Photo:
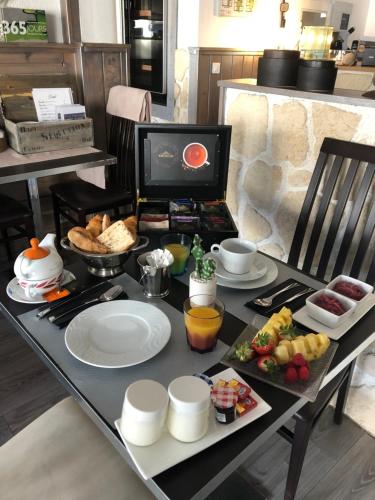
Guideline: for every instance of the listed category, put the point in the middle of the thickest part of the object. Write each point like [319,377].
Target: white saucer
[17,293]
[257,270]
[269,276]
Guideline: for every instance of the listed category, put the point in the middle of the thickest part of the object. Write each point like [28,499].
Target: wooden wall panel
[104,66]
[233,64]
[203,89]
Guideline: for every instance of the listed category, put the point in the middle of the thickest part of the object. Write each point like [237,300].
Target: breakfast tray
[167,452]
[308,390]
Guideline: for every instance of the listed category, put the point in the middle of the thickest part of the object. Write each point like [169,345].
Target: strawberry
[244,352]
[287,333]
[267,364]
[291,375]
[303,373]
[263,343]
[299,360]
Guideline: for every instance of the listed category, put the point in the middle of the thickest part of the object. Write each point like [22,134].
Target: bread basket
[109,264]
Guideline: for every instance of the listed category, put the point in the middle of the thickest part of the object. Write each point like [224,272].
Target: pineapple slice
[281,353]
[286,316]
[299,346]
[323,342]
[288,345]
[272,331]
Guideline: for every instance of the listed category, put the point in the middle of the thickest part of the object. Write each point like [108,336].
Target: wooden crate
[36,137]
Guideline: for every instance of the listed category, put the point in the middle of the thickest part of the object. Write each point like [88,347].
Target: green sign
[17,25]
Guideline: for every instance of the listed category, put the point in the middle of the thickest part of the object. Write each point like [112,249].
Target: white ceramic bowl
[325,317]
[365,286]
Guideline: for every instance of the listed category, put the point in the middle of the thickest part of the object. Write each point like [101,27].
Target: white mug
[236,255]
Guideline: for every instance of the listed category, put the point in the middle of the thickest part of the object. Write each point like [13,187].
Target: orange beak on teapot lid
[35,251]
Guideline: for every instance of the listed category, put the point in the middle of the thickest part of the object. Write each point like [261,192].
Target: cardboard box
[23,25]
[37,137]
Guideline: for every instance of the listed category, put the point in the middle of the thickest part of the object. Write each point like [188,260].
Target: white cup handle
[215,248]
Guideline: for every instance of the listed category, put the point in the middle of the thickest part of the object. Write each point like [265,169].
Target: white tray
[167,452]
[335,333]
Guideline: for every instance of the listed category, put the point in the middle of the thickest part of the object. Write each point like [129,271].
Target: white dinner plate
[167,452]
[269,276]
[257,270]
[118,334]
[17,293]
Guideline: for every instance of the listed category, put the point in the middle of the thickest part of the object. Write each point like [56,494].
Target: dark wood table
[198,476]
[16,167]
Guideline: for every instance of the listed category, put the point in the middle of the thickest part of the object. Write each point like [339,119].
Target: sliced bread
[117,238]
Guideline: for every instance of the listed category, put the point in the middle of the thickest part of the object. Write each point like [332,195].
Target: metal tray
[308,390]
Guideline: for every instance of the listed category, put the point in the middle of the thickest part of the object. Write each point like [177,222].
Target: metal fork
[267,301]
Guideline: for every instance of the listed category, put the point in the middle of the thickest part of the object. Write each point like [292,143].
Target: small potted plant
[202,279]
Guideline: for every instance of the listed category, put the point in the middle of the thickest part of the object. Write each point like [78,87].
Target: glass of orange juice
[179,246]
[203,316]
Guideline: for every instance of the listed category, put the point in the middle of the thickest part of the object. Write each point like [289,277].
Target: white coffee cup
[236,254]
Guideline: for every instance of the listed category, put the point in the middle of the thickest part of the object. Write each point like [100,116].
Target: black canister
[278,68]
[317,75]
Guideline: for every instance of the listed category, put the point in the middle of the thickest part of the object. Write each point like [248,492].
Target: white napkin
[156,260]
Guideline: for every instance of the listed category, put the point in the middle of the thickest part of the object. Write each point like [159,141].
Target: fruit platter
[282,355]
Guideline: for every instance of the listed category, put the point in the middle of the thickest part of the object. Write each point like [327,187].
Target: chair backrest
[337,219]
[121,145]
[126,105]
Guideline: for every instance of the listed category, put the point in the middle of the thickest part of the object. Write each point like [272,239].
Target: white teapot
[39,268]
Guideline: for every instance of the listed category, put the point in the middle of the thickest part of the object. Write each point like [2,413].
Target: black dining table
[29,167]
[198,476]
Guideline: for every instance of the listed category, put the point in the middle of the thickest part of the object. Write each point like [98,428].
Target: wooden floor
[340,462]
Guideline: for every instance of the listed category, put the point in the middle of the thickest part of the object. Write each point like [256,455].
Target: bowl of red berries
[351,288]
[329,307]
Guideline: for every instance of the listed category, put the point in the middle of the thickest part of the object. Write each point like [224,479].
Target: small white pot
[198,286]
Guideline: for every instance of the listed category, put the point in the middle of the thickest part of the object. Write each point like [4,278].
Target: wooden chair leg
[4,235]
[302,434]
[56,218]
[342,396]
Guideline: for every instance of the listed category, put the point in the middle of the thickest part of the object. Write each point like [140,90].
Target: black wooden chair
[76,199]
[18,219]
[344,180]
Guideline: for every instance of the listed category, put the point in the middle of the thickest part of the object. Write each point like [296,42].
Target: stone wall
[275,143]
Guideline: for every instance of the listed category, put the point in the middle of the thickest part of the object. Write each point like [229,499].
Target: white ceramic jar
[144,412]
[188,408]
[200,286]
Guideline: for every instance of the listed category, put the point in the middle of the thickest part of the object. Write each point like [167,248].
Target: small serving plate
[325,317]
[167,452]
[308,390]
[301,316]
[368,289]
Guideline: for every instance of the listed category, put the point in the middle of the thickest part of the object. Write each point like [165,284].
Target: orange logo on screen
[195,155]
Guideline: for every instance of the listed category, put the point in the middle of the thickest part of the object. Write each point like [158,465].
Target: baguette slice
[106,222]
[117,238]
[95,225]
